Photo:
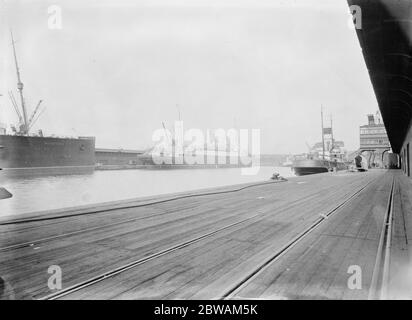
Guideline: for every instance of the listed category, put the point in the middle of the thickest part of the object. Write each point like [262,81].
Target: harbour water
[53,192]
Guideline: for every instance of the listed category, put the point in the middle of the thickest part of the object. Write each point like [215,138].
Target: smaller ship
[313,166]
[288,162]
[325,156]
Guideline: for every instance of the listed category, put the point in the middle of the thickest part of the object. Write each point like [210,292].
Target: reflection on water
[52,192]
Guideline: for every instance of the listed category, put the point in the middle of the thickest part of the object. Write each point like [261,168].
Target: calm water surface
[53,192]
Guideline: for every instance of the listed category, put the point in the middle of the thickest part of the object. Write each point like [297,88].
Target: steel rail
[118,270]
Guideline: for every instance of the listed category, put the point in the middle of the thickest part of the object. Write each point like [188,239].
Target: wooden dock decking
[282,240]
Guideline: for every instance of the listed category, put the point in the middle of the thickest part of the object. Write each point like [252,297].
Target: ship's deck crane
[16,107]
[31,122]
[25,122]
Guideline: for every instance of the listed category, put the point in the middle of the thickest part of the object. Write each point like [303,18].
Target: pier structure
[301,238]
[344,235]
[383,29]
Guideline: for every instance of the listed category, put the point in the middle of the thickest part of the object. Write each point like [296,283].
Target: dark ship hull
[306,167]
[30,155]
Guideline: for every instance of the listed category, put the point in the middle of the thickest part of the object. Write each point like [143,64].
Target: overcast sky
[117,69]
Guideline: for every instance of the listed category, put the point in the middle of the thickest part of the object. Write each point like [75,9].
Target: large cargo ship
[22,152]
[46,155]
[206,158]
[194,156]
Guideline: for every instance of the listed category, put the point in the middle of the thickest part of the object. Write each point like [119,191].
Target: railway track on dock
[131,206]
[84,230]
[380,277]
[117,223]
[233,289]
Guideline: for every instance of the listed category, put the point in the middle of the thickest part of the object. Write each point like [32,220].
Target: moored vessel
[325,156]
[313,166]
[194,154]
[25,153]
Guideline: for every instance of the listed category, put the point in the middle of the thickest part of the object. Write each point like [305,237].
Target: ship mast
[24,128]
[331,131]
[323,138]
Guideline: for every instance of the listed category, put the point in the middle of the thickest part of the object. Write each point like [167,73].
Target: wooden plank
[317,267]
[208,267]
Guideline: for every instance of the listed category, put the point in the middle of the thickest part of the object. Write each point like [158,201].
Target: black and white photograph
[222,151]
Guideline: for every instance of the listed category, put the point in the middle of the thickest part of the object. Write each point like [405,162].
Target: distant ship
[288,162]
[206,157]
[23,153]
[209,159]
[325,156]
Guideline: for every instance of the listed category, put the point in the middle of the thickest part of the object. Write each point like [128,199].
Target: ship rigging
[25,122]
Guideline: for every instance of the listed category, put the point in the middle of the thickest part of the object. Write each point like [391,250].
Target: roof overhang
[385,35]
